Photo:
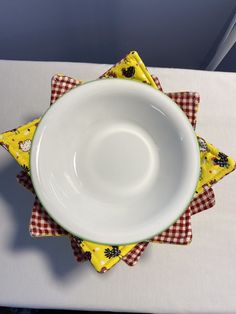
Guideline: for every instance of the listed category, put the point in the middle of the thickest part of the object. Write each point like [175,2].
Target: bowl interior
[114,161]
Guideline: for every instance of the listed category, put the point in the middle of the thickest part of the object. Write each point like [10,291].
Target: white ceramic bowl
[115,161]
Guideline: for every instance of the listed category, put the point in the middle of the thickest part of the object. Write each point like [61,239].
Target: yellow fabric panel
[103,257]
[214,165]
[18,142]
[131,67]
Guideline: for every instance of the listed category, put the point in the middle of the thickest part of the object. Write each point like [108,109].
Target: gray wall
[229,63]
[170,33]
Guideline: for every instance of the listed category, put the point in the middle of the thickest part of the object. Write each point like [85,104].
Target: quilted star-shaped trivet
[214,164]
[180,233]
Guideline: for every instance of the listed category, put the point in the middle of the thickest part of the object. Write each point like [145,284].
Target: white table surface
[199,278]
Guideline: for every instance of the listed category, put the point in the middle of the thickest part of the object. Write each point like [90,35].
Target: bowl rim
[149,238]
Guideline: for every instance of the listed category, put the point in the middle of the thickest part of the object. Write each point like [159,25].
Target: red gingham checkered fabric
[24,179]
[188,102]
[61,84]
[77,250]
[179,233]
[134,255]
[157,82]
[42,224]
[203,201]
